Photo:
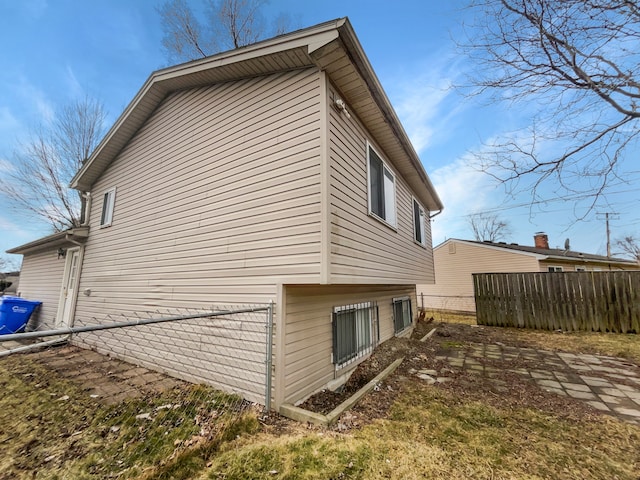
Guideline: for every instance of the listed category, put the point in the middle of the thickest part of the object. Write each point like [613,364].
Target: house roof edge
[71,236]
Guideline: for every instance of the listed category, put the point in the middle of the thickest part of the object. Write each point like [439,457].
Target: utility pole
[608,235]
[606,217]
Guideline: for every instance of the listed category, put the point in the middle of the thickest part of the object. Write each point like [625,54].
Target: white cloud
[426,101]
[33,95]
[8,226]
[35,8]
[419,107]
[5,165]
[463,190]
[7,120]
[431,110]
[13,234]
[74,85]
[426,105]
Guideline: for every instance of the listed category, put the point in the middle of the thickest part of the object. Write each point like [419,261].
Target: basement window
[355,332]
[382,188]
[402,316]
[108,202]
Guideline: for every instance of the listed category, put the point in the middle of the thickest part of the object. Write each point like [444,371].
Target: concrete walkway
[606,383]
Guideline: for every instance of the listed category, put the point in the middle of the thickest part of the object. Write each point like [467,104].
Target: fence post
[269,361]
[422,300]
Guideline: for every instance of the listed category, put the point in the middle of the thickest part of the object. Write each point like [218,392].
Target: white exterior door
[69,288]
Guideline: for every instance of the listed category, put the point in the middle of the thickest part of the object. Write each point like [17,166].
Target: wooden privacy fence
[570,301]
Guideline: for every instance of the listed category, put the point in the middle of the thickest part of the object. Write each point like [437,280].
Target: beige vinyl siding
[41,279]
[455,262]
[308,337]
[226,352]
[218,200]
[363,249]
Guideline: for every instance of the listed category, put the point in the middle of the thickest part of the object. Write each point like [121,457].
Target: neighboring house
[456,260]
[277,171]
[13,278]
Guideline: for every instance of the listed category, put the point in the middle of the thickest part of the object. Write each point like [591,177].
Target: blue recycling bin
[15,313]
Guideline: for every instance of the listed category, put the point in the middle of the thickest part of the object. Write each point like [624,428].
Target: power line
[553,200]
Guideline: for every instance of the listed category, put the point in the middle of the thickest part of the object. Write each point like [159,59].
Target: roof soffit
[350,71]
[332,47]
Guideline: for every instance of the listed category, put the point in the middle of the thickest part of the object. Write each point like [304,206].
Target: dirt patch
[417,355]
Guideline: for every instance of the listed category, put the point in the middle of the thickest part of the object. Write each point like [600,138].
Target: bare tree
[227,24]
[578,61]
[6,266]
[488,227]
[183,38]
[9,264]
[237,23]
[45,164]
[629,246]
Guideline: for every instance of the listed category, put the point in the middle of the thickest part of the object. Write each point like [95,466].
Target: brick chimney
[541,240]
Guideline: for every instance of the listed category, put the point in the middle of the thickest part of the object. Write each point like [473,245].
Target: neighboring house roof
[72,236]
[331,46]
[545,253]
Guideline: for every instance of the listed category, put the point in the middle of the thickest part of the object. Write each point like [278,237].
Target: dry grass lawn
[50,429]
[430,433]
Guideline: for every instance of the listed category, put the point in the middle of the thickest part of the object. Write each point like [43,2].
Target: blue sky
[57,51]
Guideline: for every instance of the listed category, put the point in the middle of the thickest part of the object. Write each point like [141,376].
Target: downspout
[86,208]
[84,217]
[435,214]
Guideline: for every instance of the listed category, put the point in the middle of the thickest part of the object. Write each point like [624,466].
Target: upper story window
[382,188]
[108,202]
[419,224]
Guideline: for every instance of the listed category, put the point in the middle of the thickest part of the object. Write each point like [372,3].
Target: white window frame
[108,203]
[555,269]
[581,269]
[368,322]
[402,301]
[421,228]
[390,214]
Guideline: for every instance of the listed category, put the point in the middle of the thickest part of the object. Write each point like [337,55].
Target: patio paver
[608,384]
